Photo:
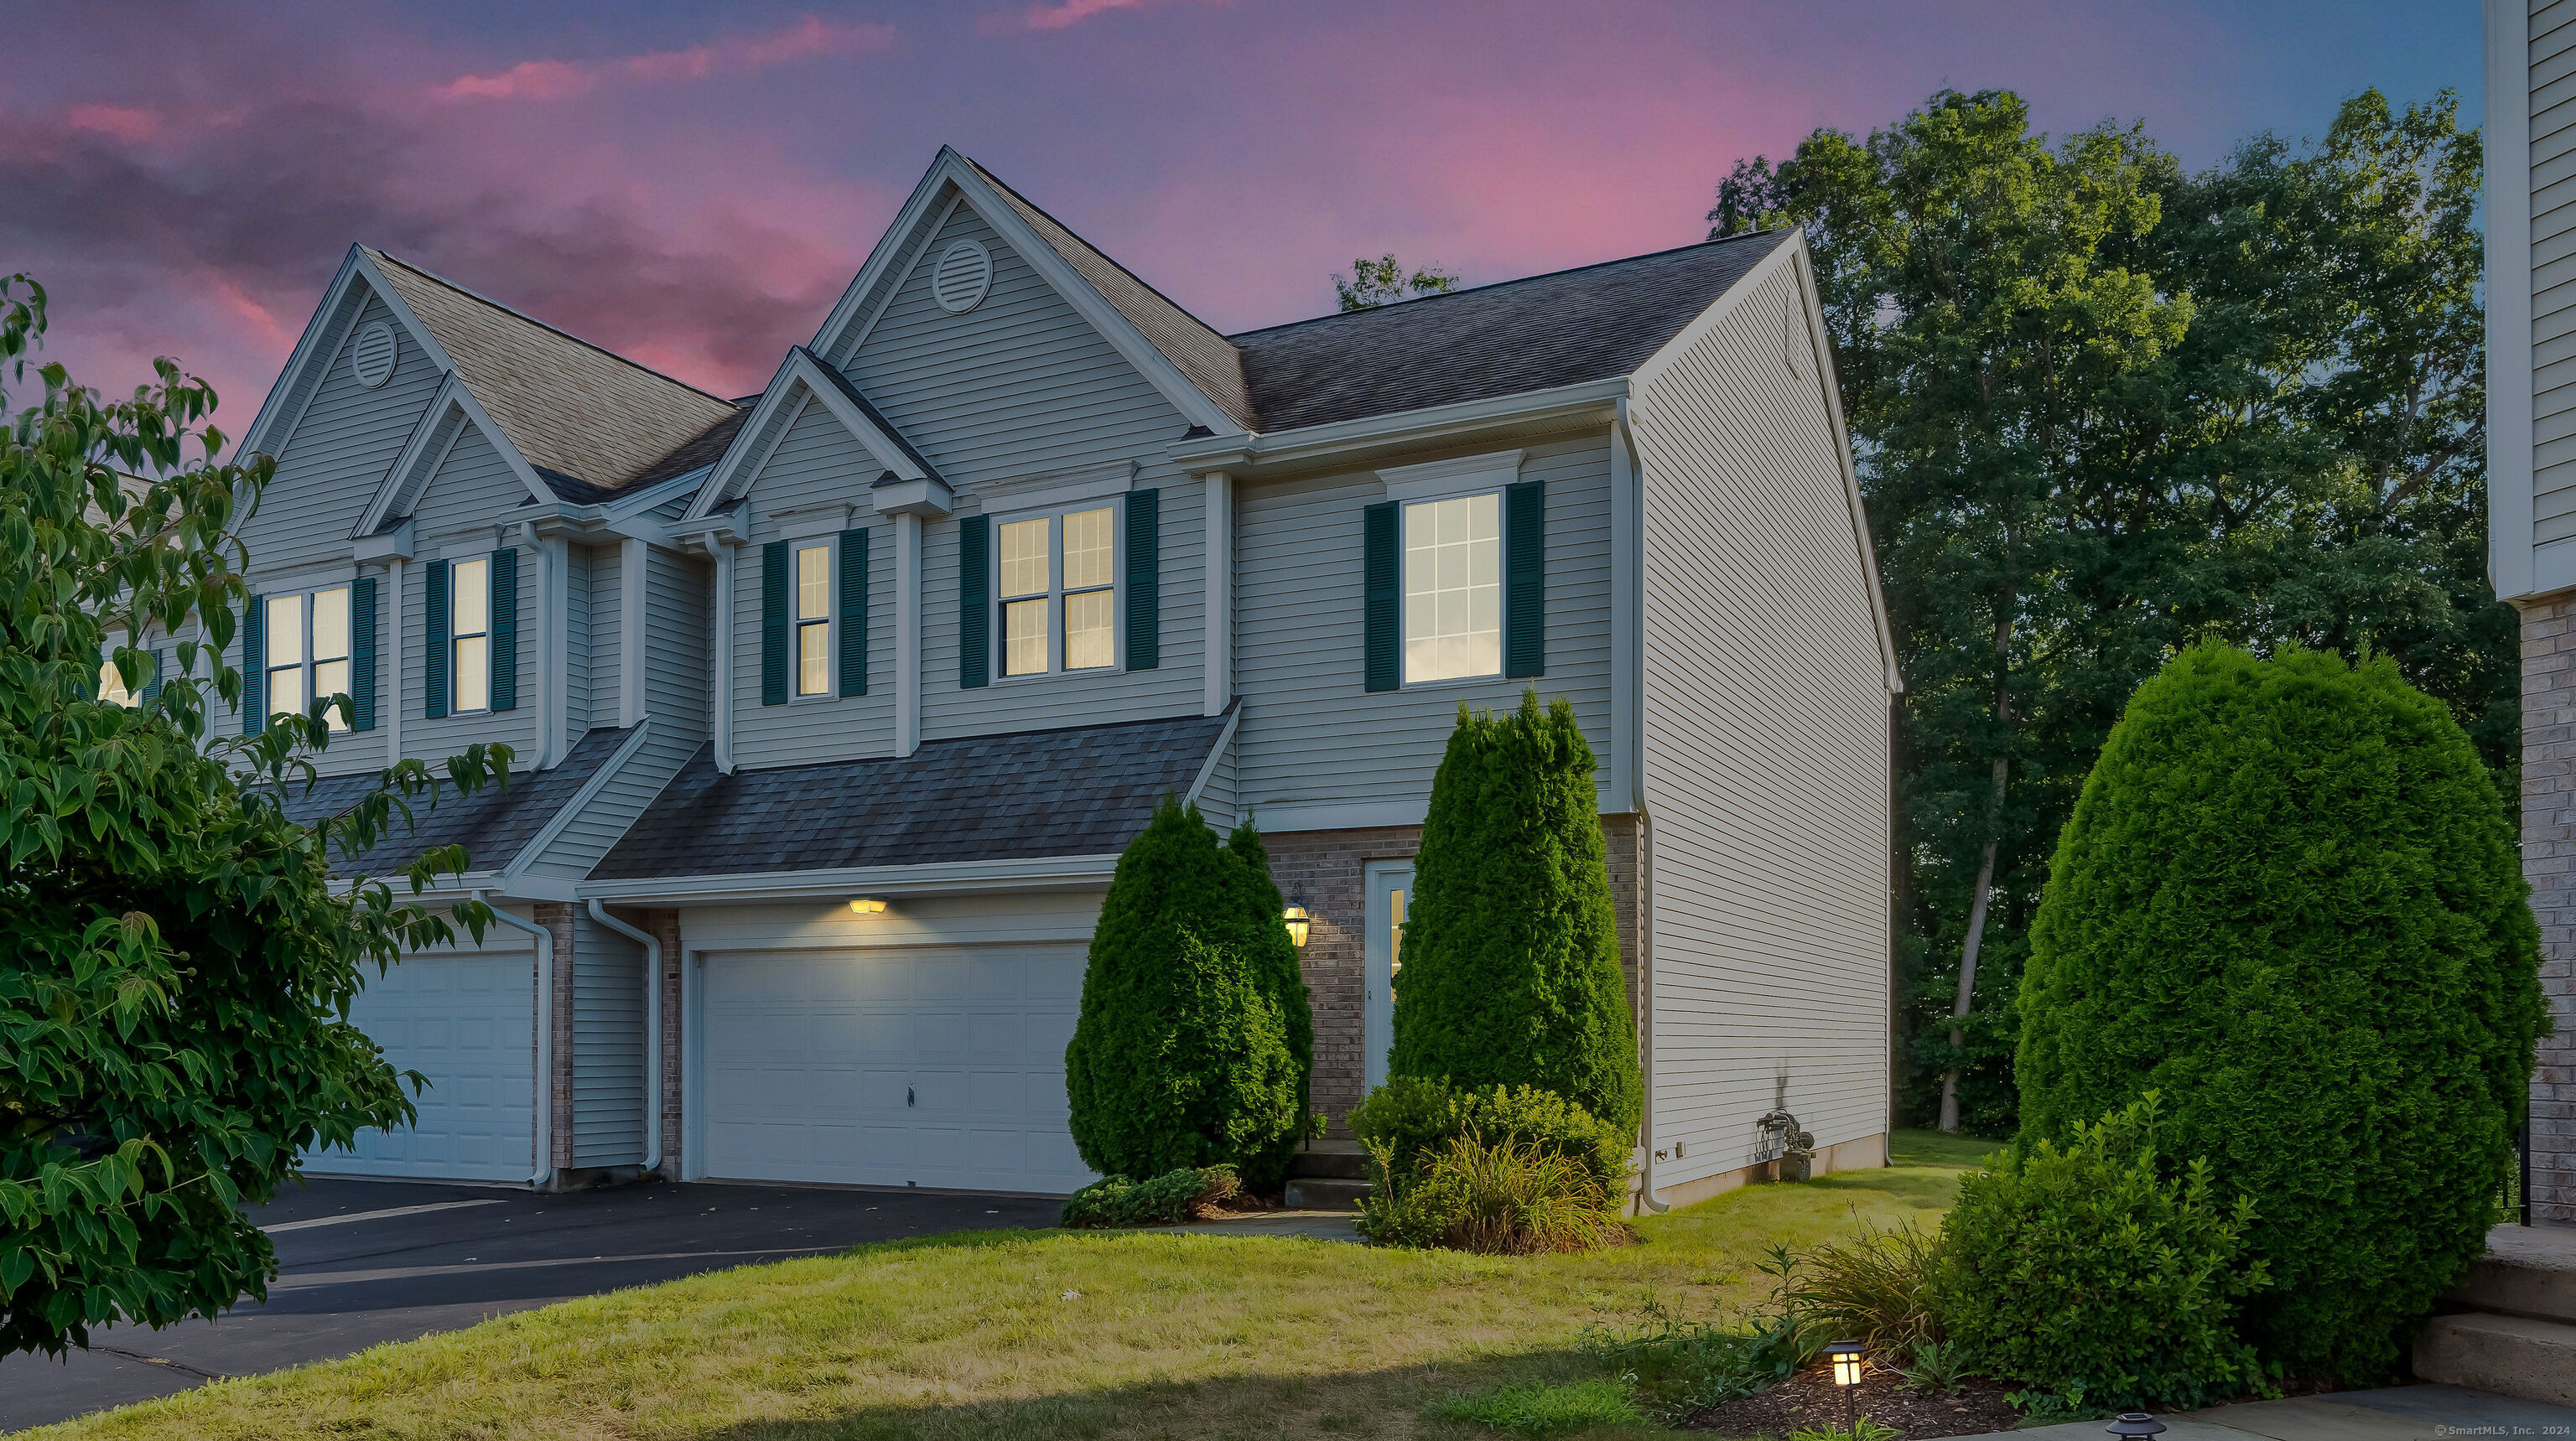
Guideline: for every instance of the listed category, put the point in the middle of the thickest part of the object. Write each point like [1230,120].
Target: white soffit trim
[956,877]
[810,521]
[952,170]
[1062,487]
[1584,402]
[1451,477]
[799,382]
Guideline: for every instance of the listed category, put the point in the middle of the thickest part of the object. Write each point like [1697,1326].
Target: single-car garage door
[467,1022]
[934,1067]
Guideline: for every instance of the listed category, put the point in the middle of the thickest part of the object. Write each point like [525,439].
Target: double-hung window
[307,640]
[469,639]
[1453,588]
[813,620]
[1059,592]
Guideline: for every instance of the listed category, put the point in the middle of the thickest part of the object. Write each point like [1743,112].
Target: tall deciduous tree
[2103,408]
[1377,282]
[174,996]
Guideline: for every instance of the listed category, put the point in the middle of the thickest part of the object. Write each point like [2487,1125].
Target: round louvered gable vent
[964,273]
[371,359]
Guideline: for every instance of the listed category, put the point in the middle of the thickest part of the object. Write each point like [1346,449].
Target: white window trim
[830,544]
[455,671]
[1489,486]
[1449,479]
[304,619]
[809,522]
[997,649]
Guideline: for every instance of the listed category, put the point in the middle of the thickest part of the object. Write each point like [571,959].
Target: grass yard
[1044,1334]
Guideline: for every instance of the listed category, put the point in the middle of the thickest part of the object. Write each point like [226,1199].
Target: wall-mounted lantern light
[1297,922]
[866,906]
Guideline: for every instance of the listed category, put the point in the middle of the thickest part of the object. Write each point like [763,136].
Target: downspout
[545,939]
[652,1031]
[1624,428]
[720,697]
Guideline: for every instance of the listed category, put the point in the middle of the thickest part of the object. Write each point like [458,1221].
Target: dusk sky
[693,185]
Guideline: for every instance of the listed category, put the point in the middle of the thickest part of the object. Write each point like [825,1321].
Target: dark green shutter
[854,612]
[442,643]
[504,645]
[1144,579]
[774,561]
[254,712]
[1383,599]
[974,605]
[152,687]
[362,653]
[1525,579]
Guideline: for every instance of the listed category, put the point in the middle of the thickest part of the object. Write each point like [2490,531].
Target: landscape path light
[1848,1358]
[2135,1426]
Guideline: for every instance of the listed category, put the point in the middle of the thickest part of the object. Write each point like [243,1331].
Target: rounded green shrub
[1165,1200]
[1511,947]
[1276,967]
[2289,901]
[2094,1277]
[1180,1057]
[1412,1116]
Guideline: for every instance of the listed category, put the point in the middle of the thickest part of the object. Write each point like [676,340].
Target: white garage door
[468,1023]
[890,1068]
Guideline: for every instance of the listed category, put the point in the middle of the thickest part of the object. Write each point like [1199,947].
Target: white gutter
[1199,456]
[945,878]
[1646,997]
[652,1031]
[545,939]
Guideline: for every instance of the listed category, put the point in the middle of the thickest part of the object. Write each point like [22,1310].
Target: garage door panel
[467,1022]
[977,1037]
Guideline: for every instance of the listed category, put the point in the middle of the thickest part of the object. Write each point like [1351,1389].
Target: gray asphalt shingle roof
[493,824]
[1082,790]
[1545,331]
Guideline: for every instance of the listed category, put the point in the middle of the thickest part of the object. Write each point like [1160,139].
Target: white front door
[467,1021]
[938,1066]
[1390,884]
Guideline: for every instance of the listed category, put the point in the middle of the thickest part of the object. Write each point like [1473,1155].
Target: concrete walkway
[2397,1413]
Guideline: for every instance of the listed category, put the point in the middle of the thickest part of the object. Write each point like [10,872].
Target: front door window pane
[1024,636]
[1089,644]
[1453,592]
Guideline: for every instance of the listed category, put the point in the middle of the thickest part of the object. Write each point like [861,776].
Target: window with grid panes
[1058,587]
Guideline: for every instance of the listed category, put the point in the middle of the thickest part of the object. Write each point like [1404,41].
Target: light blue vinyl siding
[607,1046]
[1217,797]
[607,623]
[2553,271]
[1311,735]
[1022,386]
[579,607]
[816,463]
[473,493]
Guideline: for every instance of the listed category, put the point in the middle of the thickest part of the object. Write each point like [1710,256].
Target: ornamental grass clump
[1498,1198]
[2290,902]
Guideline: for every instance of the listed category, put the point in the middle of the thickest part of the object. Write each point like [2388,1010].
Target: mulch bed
[1811,1398]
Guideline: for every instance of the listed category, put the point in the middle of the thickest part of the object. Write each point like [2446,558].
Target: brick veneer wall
[665,927]
[556,917]
[1326,871]
[2549,860]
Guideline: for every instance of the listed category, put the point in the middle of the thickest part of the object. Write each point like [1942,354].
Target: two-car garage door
[933,1067]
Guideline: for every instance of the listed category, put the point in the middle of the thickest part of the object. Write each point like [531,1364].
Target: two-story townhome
[1015,546]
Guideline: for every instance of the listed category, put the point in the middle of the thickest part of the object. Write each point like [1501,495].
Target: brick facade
[1326,871]
[665,927]
[556,917]
[2549,860]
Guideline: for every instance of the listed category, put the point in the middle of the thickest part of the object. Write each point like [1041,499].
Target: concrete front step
[2527,1271]
[1341,1160]
[2507,1355]
[1325,1193]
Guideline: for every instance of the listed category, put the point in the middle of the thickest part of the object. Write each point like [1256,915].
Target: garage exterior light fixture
[866,905]
[1296,920]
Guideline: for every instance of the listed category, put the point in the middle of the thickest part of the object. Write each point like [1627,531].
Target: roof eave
[1583,400]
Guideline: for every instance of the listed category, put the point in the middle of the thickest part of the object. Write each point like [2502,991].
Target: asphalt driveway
[362,1262]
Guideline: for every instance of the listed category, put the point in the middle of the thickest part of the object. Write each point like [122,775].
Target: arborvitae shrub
[1511,947]
[1180,1057]
[2289,902]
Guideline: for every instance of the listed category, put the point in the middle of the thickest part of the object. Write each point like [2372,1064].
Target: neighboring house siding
[607,629]
[1022,386]
[1217,797]
[1311,733]
[607,1046]
[1765,723]
[329,466]
[458,518]
[2553,271]
[816,463]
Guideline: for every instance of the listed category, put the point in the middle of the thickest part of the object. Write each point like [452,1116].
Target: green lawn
[1047,1334]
